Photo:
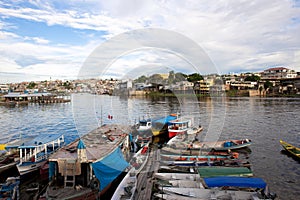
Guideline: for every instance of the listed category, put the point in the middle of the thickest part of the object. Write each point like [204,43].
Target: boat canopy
[223,171]
[241,182]
[41,139]
[108,168]
[165,120]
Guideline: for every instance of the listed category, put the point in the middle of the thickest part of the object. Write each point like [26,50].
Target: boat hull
[27,167]
[291,149]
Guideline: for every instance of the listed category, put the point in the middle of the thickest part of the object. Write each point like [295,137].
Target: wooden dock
[145,180]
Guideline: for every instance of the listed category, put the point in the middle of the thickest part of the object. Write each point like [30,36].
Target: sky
[43,40]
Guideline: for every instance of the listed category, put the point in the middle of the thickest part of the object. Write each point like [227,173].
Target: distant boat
[34,153]
[160,125]
[294,151]
[182,125]
[144,125]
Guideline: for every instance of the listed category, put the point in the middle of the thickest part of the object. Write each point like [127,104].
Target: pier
[15,98]
[144,180]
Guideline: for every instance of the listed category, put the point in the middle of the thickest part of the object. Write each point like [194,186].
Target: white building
[278,73]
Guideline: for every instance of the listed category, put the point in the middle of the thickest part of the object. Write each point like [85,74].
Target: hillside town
[276,81]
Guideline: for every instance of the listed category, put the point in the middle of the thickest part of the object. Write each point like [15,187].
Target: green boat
[212,171]
[295,151]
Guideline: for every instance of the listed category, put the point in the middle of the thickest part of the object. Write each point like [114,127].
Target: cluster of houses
[272,81]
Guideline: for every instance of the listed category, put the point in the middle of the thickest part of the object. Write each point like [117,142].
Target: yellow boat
[2,147]
[295,151]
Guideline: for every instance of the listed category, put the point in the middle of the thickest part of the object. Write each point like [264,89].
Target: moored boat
[214,171]
[177,176]
[160,125]
[225,188]
[34,153]
[10,189]
[86,168]
[215,146]
[206,158]
[126,189]
[144,125]
[179,126]
[294,151]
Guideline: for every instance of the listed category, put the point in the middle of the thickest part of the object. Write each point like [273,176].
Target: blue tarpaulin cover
[164,120]
[107,169]
[241,182]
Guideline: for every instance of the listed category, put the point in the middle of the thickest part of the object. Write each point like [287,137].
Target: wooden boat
[175,193]
[205,158]
[179,126]
[195,152]
[172,167]
[216,146]
[144,125]
[177,176]
[34,153]
[172,196]
[8,160]
[236,188]
[10,189]
[176,169]
[227,161]
[182,126]
[160,125]
[10,156]
[295,151]
[180,183]
[86,168]
[126,189]
[214,171]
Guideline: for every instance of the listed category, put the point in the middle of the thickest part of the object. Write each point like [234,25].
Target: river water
[263,120]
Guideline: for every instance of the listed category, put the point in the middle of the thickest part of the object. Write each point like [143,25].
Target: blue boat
[34,153]
[241,182]
[10,189]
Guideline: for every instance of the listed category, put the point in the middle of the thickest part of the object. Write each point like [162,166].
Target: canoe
[225,145]
[206,158]
[175,193]
[177,176]
[169,150]
[256,188]
[295,151]
[173,197]
[224,171]
[184,184]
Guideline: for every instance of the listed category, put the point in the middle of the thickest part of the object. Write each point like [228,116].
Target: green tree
[252,78]
[267,85]
[156,78]
[31,85]
[141,79]
[194,77]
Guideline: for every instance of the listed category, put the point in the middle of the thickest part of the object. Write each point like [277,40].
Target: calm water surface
[263,120]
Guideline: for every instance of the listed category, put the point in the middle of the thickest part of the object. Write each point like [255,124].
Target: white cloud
[237,35]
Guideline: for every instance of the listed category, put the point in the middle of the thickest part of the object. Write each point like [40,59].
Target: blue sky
[43,39]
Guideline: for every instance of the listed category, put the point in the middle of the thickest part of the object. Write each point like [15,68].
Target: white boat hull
[27,167]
